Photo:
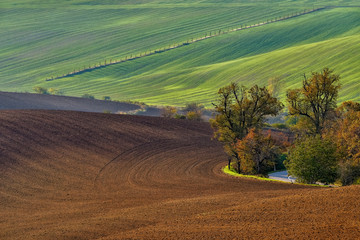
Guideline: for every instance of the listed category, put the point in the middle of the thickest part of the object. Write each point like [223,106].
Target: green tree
[316,100]
[238,110]
[313,159]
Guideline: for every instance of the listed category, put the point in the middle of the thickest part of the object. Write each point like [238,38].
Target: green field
[40,40]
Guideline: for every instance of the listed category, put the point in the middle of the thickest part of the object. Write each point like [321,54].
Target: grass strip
[232,172]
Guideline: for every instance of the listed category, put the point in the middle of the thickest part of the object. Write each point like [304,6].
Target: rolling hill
[21,101]
[84,175]
[75,34]
[77,175]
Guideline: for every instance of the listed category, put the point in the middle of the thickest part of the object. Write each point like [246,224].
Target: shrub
[193,107]
[89,96]
[107,98]
[168,111]
[312,160]
[348,173]
[54,91]
[357,181]
[194,115]
[40,90]
[179,116]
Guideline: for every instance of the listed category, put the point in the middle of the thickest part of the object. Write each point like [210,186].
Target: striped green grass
[41,39]
[195,72]
[46,39]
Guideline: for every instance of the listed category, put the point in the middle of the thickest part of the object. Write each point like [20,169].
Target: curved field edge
[233,173]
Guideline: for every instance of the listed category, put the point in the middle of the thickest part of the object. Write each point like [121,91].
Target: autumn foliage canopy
[239,110]
[327,144]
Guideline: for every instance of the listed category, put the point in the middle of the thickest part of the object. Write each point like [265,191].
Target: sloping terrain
[9,100]
[67,36]
[45,39]
[73,175]
[284,50]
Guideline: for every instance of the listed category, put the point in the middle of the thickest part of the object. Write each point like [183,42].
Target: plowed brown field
[72,175]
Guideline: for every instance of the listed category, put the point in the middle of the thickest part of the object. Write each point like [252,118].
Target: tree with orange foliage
[348,131]
[345,132]
[168,111]
[240,109]
[316,100]
[258,153]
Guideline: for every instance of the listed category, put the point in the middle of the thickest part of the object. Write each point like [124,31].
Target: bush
[54,91]
[194,115]
[89,96]
[312,160]
[357,181]
[107,98]
[349,173]
[40,90]
[168,111]
[193,111]
[193,107]
[179,116]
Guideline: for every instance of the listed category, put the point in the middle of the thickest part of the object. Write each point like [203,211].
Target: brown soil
[11,100]
[72,175]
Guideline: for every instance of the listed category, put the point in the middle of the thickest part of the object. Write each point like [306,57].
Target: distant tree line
[50,91]
[191,111]
[53,91]
[327,137]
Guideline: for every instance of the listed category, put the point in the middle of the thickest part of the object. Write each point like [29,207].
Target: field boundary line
[185,43]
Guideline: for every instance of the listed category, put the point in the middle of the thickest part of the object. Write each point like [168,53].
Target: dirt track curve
[72,175]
